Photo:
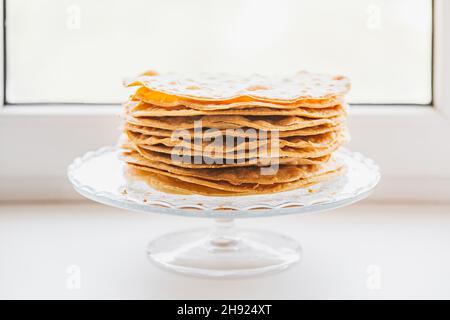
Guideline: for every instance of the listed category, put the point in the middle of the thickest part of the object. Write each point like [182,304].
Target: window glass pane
[80,50]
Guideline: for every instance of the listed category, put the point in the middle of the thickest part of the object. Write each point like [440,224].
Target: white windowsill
[407,244]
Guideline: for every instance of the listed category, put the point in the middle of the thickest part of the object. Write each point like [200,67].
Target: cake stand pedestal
[222,250]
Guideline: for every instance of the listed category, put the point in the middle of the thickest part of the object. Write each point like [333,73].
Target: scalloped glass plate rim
[174,205]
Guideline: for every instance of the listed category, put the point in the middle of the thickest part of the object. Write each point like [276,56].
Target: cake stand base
[224,251]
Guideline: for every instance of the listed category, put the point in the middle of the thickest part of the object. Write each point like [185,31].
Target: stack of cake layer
[230,135]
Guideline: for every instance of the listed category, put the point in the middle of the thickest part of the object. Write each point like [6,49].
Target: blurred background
[80,51]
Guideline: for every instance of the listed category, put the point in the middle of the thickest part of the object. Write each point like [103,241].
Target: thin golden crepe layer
[305,112]
[220,89]
[246,188]
[247,154]
[171,185]
[166,100]
[313,141]
[279,123]
[244,153]
[141,109]
[244,132]
[163,100]
[235,176]
[130,149]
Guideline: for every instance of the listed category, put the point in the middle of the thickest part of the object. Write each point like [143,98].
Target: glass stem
[223,236]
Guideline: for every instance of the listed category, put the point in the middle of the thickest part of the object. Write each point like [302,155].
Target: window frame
[47,137]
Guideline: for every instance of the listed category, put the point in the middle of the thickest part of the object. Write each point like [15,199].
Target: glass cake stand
[222,250]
